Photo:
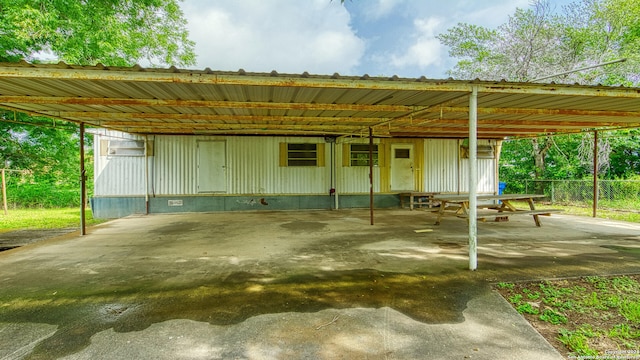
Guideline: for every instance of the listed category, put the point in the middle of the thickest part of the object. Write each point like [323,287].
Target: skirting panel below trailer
[116,207]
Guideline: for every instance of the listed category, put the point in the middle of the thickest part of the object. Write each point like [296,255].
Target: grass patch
[589,316]
[59,218]
[610,214]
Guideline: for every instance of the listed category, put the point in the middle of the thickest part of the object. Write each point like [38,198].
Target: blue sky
[375,37]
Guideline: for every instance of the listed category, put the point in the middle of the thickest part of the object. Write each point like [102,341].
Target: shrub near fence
[614,194]
[41,196]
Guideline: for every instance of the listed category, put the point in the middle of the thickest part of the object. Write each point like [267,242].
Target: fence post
[553,192]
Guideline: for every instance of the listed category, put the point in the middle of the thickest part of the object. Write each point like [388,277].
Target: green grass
[586,210]
[58,218]
[582,314]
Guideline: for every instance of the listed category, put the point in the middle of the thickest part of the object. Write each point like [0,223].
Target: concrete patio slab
[290,285]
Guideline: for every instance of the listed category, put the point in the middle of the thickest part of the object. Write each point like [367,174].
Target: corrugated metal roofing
[174,101]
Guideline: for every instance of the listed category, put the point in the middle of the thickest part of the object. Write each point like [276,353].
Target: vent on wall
[124,148]
[483,152]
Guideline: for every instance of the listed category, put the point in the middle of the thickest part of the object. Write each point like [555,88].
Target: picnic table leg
[443,206]
[536,218]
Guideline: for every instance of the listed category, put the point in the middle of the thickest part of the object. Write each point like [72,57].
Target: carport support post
[83,183]
[473,179]
[4,192]
[371,173]
[595,174]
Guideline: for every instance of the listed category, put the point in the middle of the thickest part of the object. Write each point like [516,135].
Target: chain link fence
[612,194]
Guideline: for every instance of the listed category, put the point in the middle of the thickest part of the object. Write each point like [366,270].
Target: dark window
[360,155]
[403,153]
[302,155]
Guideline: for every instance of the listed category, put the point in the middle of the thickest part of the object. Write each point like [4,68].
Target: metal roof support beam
[201,104]
[473,179]
[99,116]
[532,111]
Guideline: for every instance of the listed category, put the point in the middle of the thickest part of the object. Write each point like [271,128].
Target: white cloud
[284,35]
[491,14]
[382,8]
[426,50]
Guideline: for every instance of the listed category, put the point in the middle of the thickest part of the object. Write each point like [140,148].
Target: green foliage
[589,313]
[45,160]
[504,285]
[553,317]
[515,299]
[527,308]
[113,32]
[624,331]
[630,309]
[538,42]
[577,341]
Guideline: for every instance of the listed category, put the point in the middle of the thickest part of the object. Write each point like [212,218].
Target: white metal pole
[595,174]
[146,174]
[473,179]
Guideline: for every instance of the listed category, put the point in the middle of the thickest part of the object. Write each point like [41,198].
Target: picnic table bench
[459,204]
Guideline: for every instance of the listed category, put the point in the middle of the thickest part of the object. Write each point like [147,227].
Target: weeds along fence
[613,194]
[22,192]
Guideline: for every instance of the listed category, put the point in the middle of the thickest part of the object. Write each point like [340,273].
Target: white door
[212,166]
[402,167]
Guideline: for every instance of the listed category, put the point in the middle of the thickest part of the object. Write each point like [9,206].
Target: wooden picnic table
[417,199]
[504,208]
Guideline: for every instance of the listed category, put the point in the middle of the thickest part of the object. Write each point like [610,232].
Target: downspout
[473,179]
[83,184]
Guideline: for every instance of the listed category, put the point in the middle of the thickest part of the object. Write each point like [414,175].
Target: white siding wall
[117,175]
[355,179]
[253,168]
[445,172]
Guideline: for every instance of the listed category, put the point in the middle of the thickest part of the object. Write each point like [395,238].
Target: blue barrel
[501,187]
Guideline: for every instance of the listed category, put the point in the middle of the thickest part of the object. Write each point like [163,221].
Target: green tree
[111,32]
[539,42]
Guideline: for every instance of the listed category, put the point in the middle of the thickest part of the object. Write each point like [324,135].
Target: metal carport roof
[175,101]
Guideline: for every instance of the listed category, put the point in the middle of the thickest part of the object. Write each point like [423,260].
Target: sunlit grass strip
[61,218]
